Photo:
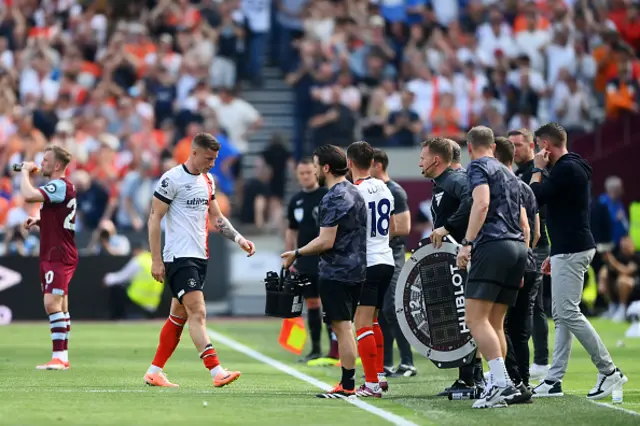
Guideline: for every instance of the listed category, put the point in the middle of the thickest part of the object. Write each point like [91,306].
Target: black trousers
[518,329]
[540,330]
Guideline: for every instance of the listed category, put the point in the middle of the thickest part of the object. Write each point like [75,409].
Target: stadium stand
[124,85]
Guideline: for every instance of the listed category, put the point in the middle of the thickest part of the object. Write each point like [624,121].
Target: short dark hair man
[380,266]
[497,228]
[302,217]
[342,246]
[524,151]
[388,321]
[566,195]
[519,317]
[450,207]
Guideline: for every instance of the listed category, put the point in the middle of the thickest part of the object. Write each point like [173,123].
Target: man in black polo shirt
[498,235]
[388,321]
[302,215]
[523,155]
[450,206]
[566,195]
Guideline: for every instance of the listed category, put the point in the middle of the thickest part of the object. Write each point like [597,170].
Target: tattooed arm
[223,225]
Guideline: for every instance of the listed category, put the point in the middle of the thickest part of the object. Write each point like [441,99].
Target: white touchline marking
[615,407]
[239,347]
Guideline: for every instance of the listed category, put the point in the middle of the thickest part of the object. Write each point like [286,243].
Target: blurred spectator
[257,15]
[332,122]
[107,241]
[404,125]
[278,158]
[16,238]
[255,204]
[618,279]
[135,190]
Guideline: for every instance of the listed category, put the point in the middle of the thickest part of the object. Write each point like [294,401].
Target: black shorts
[312,291]
[376,286]
[185,274]
[496,271]
[339,300]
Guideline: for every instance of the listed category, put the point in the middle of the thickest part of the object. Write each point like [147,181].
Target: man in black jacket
[523,155]
[450,207]
[566,195]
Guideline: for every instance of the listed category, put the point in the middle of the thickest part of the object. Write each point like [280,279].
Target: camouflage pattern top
[346,261]
[503,217]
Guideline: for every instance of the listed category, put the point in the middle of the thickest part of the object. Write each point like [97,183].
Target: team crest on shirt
[191,282]
[298,214]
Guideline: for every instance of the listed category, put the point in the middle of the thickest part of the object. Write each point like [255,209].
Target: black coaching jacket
[451,202]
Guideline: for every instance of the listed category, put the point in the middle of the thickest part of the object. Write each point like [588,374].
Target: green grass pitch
[104,385]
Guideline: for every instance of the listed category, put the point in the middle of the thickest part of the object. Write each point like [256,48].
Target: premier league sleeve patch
[430,306]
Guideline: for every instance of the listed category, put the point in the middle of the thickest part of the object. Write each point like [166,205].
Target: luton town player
[185,195]
[58,252]
[380,266]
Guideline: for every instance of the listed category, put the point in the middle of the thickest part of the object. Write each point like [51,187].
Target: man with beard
[342,246]
[524,152]
[302,215]
[450,207]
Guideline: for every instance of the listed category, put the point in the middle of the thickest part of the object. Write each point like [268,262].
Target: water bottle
[616,395]
[18,167]
[459,395]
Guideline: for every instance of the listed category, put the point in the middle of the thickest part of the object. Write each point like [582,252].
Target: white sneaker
[538,372]
[547,389]
[620,315]
[496,397]
[605,384]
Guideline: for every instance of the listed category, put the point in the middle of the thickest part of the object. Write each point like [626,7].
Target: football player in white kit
[380,267]
[185,195]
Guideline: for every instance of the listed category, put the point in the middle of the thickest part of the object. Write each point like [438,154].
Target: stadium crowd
[393,72]
[125,85]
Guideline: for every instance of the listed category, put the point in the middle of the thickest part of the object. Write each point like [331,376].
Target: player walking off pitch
[186,196]
[58,252]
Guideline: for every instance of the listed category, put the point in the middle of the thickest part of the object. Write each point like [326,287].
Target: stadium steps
[274,101]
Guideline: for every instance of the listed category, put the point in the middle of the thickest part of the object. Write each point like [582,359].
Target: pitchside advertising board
[430,305]
[89,298]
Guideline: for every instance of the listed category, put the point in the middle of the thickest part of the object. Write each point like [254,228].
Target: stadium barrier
[21,294]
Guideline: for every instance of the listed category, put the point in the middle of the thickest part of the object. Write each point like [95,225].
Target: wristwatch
[466,242]
[537,170]
[297,253]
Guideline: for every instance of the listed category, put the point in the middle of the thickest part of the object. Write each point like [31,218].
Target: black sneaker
[524,397]
[497,397]
[405,370]
[457,386]
[547,388]
[311,356]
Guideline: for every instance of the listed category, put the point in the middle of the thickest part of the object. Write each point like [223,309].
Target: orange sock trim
[210,358]
[377,334]
[169,339]
[368,353]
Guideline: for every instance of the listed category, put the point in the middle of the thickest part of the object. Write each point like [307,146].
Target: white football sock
[498,372]
[154,370]
[216,370]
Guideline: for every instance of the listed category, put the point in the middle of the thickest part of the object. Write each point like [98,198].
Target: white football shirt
[380,206]
[187,220]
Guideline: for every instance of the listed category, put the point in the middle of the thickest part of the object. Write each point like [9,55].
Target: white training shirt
[380,206]
[187,220]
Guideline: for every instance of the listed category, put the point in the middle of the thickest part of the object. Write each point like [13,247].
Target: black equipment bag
[284,294]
